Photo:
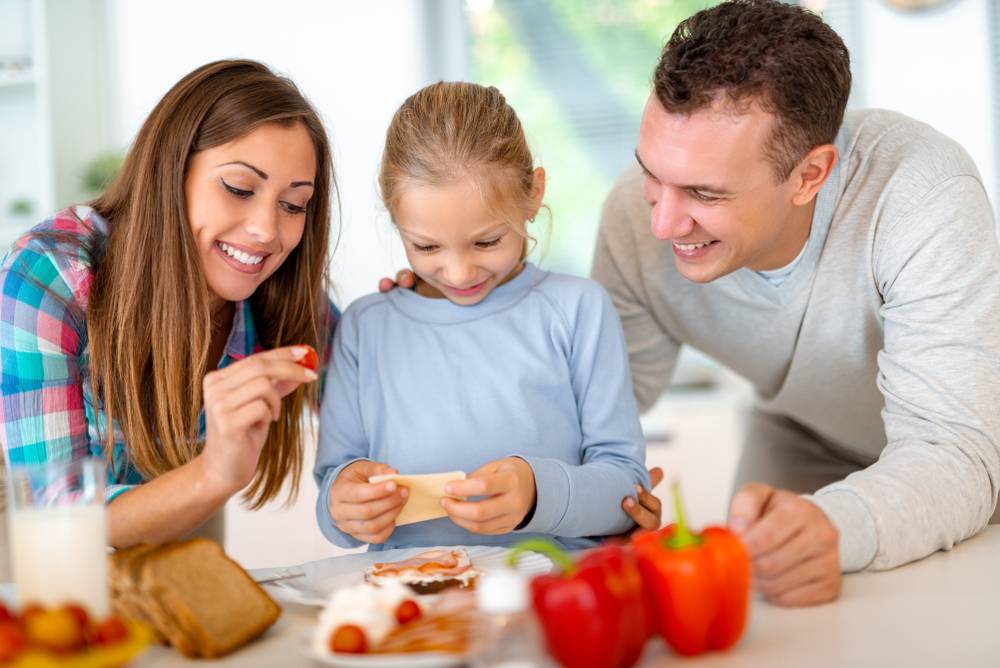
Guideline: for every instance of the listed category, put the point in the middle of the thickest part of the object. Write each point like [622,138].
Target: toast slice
[206,596]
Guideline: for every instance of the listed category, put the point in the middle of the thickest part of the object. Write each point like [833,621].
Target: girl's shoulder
[573,292]
[57,253]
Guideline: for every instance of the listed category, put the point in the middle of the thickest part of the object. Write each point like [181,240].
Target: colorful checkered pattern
[47,412]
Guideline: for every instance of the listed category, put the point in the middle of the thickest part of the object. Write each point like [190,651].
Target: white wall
[934,66]
[355,61]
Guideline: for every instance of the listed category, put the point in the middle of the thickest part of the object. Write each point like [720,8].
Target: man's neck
[795,234]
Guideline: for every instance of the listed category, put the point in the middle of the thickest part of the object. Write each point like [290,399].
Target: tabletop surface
[941,611]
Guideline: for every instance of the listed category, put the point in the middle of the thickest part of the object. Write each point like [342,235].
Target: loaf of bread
[193,595]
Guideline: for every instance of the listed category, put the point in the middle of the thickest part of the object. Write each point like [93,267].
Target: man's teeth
[691,247]
[240,256]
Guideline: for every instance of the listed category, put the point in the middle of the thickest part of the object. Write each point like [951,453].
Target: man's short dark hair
[781,56]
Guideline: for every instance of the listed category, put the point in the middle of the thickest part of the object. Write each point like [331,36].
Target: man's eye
[702,197]
[242,194]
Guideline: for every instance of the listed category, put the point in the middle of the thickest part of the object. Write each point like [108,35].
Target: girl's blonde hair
[454,130]
[148,317]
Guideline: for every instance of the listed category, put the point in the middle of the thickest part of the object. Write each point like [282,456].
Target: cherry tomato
[311,359]
[349,639]
[12,640]
[79,614]
[112,630]
[407,611]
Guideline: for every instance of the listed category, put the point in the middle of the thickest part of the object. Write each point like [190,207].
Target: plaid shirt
[47,412]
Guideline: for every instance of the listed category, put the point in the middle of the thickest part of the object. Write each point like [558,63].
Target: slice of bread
[195,596]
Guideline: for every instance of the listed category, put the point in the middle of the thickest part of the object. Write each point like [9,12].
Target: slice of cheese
[426,492]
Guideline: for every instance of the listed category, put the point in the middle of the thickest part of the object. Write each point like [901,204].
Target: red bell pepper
[697,584]
[592,613]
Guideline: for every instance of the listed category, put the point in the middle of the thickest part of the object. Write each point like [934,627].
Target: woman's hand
[404,279]
[646,512]
[508,484]
[241,402]
[363,510]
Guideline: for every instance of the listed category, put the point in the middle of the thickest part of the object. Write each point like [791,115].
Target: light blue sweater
[538,369]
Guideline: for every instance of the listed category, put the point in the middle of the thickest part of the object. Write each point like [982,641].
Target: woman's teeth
[240,256]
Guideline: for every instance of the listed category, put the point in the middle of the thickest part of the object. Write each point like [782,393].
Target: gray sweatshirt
[884,340]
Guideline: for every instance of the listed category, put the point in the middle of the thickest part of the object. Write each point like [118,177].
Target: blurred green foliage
[621,42]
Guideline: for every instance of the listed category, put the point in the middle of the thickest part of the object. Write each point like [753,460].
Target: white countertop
[941,611]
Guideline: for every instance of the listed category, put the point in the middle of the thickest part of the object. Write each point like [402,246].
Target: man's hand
[645,508]
[792,543]
[404,279]
[509,487]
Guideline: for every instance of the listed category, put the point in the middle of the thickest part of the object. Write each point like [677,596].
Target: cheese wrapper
[426,492]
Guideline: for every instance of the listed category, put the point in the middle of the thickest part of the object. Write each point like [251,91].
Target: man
[847,266]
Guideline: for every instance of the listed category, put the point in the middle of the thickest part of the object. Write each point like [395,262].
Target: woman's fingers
[257,389]
[280,364]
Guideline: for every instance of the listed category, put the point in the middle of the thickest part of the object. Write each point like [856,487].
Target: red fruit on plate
[311,359]
[112,630]
[349,639]
[79,614]
[5,613]
[12,640]
[407,611]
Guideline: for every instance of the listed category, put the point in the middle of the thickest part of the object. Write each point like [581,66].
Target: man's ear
[537,190]
[812,172]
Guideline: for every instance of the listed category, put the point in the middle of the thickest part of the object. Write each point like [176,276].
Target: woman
[147,314]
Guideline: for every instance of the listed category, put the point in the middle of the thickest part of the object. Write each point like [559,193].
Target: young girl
[157,325]
[492,366]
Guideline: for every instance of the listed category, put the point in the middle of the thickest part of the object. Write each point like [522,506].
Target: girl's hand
[508,484]
[241,402]
[647,511]
[363,510]
[404,279]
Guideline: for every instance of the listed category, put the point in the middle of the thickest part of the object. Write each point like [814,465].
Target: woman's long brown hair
[148,316]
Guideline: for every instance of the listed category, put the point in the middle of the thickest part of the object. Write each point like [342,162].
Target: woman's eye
[424,249]
[293,208]
[242,194]
[490,243]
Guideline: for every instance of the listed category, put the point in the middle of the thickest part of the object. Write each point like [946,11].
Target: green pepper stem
[682,536]
[546,548]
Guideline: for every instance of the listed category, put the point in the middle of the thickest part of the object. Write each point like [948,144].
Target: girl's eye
[424,249]
[242,194]
[293,208]
[490,243]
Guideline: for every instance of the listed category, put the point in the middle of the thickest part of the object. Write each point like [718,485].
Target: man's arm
[935,484]
[652,352]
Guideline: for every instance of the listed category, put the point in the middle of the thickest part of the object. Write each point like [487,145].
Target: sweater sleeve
[585,499]
[342,439]
[935,483]
[652,352]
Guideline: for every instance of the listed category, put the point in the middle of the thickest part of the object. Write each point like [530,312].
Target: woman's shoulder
[57,250]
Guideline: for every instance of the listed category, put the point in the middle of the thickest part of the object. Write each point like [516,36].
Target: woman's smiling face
[246,204]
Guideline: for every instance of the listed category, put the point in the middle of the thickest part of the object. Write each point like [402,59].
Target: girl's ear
[537,190]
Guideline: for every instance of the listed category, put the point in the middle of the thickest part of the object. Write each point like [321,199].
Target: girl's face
[455,244]
[246,203]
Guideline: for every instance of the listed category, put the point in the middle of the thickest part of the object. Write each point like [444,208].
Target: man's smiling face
[714,192]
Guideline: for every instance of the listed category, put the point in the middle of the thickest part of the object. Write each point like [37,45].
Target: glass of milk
[58,534]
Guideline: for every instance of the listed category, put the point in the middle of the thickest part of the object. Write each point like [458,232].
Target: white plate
[412,660]
[317,580]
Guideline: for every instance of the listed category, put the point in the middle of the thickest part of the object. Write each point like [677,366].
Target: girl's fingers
[364,492]
[648,500]
[374,525]
[362,512]
[478,511]
[655,477]
[641,515]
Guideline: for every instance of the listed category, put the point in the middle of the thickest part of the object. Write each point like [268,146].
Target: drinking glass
[58,534]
